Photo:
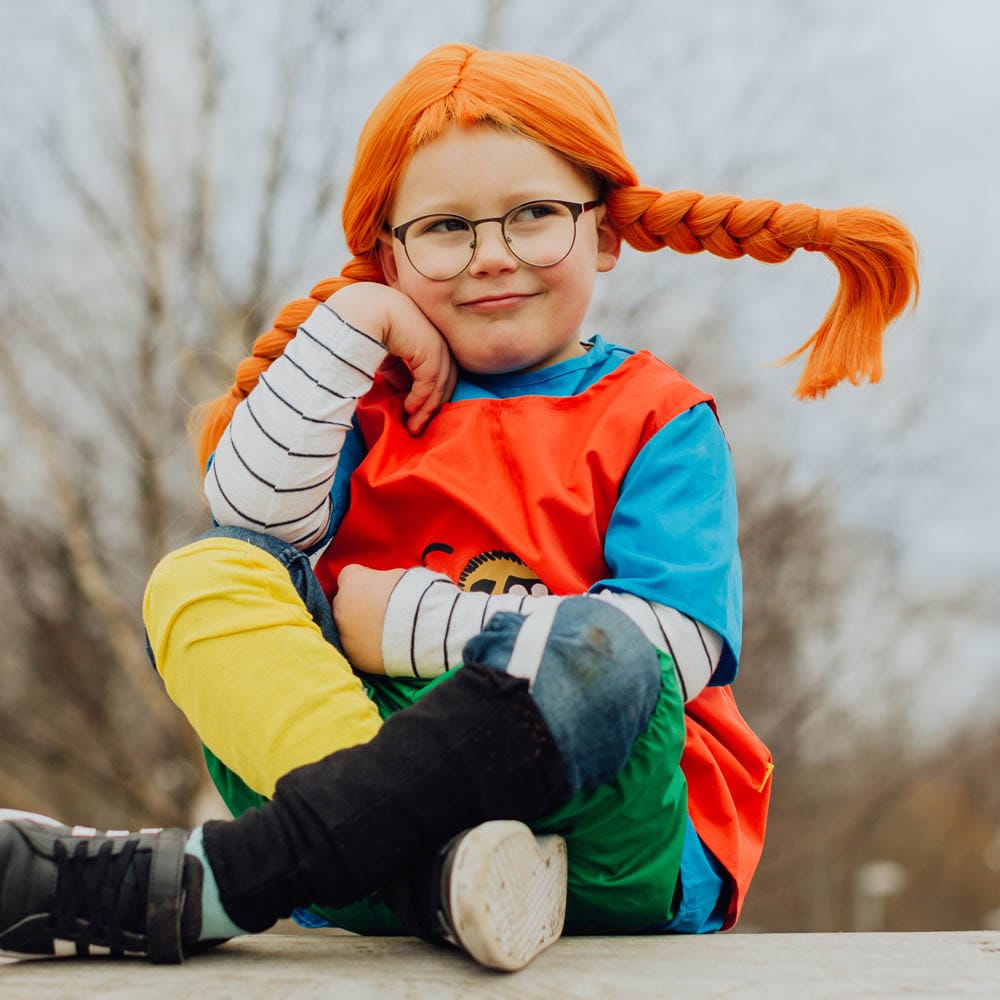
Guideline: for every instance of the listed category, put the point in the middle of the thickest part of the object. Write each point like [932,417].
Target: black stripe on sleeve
[260,426]
[704,646]
[302,539]
[349,326]
[274,488]
[284,447]
[329,350]
[413,630]
[254,520]
[670,650]
[313,454]
[277,395]
[312,378]
[447,630]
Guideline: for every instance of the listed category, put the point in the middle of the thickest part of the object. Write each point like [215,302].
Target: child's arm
[275,464]
[399,621]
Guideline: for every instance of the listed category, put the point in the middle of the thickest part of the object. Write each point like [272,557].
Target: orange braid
[209,420]
[874,253]
[563,109]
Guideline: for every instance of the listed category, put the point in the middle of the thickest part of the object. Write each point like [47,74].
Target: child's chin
[496,362]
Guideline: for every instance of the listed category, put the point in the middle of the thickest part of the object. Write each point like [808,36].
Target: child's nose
[492,252]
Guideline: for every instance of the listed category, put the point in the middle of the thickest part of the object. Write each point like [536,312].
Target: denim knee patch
[597,682]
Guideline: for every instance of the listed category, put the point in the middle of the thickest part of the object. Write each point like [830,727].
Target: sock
[215,922]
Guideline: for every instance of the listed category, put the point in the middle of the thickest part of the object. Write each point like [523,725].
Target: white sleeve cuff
[429,620]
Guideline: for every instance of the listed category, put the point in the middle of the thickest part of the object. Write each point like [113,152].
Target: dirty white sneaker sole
[507,893]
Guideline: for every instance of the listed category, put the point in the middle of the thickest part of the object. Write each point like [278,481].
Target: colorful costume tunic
[604,472]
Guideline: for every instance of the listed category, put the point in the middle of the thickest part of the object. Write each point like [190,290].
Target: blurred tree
[153,316]
[180,177]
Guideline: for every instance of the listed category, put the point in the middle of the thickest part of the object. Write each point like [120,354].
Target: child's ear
[387,258]
[609,241]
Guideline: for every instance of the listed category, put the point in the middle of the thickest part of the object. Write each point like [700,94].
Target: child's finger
[430,391]
[422,410]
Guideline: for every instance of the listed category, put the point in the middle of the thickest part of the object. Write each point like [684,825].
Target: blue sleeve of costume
[672,536]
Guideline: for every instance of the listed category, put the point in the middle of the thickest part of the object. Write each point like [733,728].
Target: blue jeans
[597,680]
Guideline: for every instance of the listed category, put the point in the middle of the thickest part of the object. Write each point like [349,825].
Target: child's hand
[392,318]
[359,613]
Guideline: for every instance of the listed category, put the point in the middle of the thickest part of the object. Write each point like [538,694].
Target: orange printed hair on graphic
[563,109]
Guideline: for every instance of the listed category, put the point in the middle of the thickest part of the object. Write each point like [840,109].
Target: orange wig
[563,109]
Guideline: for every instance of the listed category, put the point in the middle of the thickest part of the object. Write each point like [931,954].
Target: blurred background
[172,173]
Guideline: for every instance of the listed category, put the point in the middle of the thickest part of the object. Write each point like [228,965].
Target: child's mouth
[495,303]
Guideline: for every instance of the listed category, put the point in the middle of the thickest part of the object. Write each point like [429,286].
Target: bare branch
[203,266]
[85,563]
[96,213]
[273,180]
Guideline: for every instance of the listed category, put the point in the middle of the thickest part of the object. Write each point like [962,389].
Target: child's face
[500,315]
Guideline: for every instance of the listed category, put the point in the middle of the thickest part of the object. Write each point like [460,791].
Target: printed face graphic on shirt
[501,573]
[494,572]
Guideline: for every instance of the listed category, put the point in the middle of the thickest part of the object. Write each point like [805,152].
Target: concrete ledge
[814,966]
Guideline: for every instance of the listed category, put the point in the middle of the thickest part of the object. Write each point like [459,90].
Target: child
[530,546]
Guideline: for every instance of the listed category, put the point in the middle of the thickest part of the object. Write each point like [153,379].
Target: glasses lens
[440,246]
[540,233]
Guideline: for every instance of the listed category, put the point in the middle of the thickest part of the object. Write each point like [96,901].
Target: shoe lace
[96,897]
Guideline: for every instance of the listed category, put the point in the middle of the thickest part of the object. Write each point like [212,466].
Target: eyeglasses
[538,233]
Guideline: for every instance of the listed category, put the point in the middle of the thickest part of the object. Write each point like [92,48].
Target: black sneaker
[126,893]
[496,891]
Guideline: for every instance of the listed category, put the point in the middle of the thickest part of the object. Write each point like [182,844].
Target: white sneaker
[503,893]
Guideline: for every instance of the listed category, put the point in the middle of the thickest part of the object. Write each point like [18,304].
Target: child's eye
[443,225]
[534,211]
